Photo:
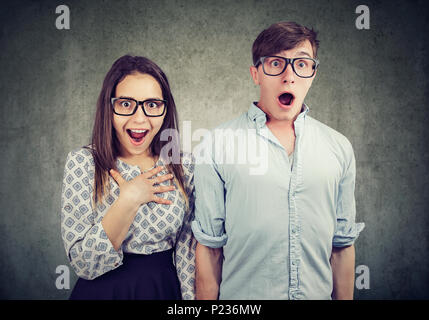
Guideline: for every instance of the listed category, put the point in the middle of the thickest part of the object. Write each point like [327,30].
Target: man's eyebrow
[301,53]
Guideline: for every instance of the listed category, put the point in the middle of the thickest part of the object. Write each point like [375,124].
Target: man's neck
[280,125]
[277,124]
[283,130]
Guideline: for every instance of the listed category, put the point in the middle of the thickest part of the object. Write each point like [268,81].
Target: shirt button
[297,295]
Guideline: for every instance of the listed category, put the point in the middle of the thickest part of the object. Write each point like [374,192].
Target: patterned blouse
[156,227]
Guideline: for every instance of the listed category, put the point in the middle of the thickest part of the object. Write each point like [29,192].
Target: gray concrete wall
[372,86]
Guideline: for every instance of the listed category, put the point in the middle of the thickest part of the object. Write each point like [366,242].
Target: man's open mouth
[137,135]
[286,98]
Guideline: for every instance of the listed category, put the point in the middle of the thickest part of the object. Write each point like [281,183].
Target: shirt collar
[256,114]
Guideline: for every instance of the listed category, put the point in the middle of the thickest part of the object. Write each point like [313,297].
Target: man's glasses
[128,106]
[275,65]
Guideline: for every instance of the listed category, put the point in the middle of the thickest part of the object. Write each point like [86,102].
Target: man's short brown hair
[282,36]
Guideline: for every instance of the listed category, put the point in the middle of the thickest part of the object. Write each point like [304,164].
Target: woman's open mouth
[137,135]
[286,99]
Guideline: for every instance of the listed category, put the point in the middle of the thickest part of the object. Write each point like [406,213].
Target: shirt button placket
[294,236]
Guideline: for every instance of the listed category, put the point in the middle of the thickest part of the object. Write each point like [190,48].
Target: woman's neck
[144,161]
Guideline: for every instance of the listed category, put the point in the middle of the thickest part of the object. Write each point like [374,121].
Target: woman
[127,234]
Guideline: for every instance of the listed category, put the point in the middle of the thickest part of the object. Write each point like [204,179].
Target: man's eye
[302,64]
[275,63]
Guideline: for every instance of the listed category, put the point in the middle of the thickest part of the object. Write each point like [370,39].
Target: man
[289,233]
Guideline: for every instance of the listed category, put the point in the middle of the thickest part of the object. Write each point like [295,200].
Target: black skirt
[140,277]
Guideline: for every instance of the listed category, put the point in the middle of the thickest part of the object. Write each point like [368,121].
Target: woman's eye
[152,104]
[126,104]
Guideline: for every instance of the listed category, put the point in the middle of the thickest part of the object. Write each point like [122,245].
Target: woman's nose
[139,115]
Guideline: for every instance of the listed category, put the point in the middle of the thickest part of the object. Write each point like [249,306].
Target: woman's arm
[87,246]
[185,258]
[91,250]
[185,242]
[118,219]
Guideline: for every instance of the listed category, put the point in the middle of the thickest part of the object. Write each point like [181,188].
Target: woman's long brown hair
[105,145]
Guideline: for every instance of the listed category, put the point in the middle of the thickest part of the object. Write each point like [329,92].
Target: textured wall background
[372,86]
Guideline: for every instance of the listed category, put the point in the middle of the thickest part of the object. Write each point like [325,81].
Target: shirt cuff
[97,255]
[113,258]
[207,240]
[342,239]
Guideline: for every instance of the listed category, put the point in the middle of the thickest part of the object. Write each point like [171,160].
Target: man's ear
[313,77]
[254,74]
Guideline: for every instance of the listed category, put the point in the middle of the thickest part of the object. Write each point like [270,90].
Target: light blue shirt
[277,229]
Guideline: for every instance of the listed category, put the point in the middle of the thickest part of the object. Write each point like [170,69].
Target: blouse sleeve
[186,243]
[87,246]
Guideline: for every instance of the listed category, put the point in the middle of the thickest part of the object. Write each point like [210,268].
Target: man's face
[282,96]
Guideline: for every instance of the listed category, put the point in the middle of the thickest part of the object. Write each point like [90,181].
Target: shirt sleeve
[209,223]
[347,230]
[87,246]
[186,243]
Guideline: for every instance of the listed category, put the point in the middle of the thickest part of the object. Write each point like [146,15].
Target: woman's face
[136,132]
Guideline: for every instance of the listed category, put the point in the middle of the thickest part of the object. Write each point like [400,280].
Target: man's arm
[343,272]
[208,263]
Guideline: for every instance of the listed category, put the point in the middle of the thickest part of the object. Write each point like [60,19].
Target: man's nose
[288,75]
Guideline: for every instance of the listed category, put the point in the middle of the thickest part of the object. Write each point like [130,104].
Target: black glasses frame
[138,103]
[288,61]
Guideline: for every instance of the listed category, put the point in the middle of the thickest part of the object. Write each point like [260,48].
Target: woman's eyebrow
[125,97]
